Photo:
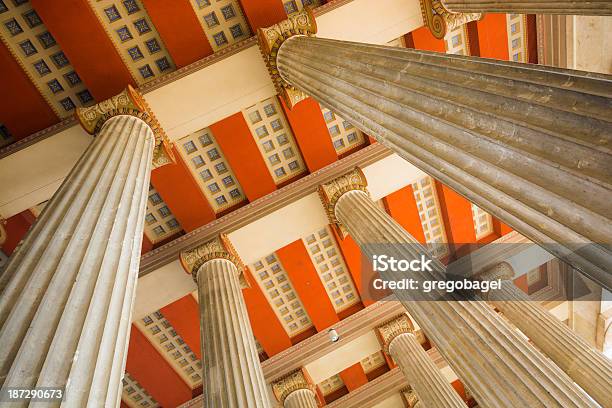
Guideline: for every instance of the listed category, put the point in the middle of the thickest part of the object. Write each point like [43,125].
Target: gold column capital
[411,398]
[502,270]
[295,380]
[331,192]
[386,332]
[271,38]
[128,102]
[440,21]
[218,248]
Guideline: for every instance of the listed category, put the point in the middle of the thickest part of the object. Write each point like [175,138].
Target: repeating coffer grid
[331,268]
[483,222]
[293,6]
[517,37]
[159,221]
[431,218]
[172,347]
[134,395]
[135,38]
[222,21]
[275,140]
[34,47]
[331,384]
[278,289]
[457,41]
[343,134]
[211,170]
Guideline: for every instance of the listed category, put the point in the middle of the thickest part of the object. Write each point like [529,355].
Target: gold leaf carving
[270,40]
[218,248]
[128,102]
[440,21]
[295,380]
[332,191]
[393,328]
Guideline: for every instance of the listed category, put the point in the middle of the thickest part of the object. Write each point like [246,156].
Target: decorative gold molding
[129,102]
[393,328]
[440,21]
[411,398]
[217,248]
[295,380]
[271,38]
[331,192]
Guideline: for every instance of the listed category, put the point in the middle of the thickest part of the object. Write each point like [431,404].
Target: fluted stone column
[589,368]
[68,290]
[498,365]
[574,7]
[232,372]
[432,388]
[295,391]
[527,143]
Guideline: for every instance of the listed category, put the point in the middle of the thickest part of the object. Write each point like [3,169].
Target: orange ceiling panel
[263,13]
[184,316]
[182,194]
[153,372]
[311,133]
[354,377]
[493,36]
[306,281]
[424,40]
[267,329]
[403,208]
[179,29]
[457,216]
[239,147]
[16,228]
[23,110]
[78,31]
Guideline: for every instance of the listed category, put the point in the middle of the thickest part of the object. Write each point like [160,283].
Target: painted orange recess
[153,372]
[76,28]
[16,228]
[23,110]
[493,36]
[182,194]
[306,281]
[266,326]
[424,40]
[311,133]
[239,147]
[184,316]
[354,377]
[179,29]
[457,216]
[353,259]
[403,208]
[147,245]
[263,13]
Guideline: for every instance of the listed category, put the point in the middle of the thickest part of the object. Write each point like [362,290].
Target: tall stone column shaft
[232,373]
[295,390]
[573,7]
[432,389]
[68,290]
[529,144]
[589,368]
[498,365]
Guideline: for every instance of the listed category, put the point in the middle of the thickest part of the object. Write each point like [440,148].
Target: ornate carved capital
[440,21]
[411,398]
[393,328]
[270,40]
[295,380]
[331,192]
[128,102]
[218,248]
